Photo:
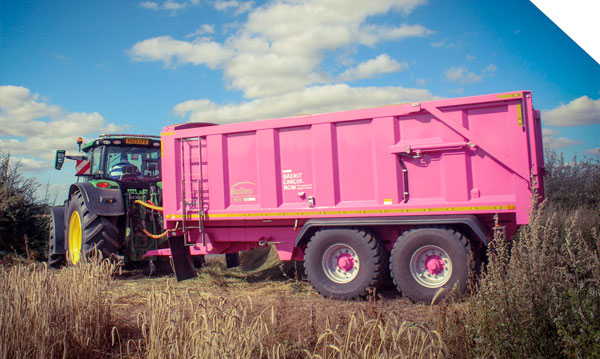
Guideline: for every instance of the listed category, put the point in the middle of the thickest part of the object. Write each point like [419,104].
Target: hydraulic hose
[155,208]
[154,236]
[148,205]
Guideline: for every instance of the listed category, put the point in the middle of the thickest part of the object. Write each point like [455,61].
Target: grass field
[538,297]
[96,310]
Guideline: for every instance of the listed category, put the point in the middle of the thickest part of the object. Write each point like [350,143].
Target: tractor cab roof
[123,140]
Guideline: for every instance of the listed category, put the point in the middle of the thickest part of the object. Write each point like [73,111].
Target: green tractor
[115,205]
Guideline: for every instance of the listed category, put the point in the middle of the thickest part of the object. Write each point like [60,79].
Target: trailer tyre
[86,231]
[426,261]
[344,263]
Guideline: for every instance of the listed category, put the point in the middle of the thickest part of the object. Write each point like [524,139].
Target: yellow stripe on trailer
[329,213]
[520,114]
[510,95]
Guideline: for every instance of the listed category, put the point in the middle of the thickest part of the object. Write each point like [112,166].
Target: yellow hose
[148,205]
[155,236]
[156,208]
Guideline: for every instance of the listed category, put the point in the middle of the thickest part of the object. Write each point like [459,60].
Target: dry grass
[184,325]
[381,337]
[91,311]
[537,298]
[55,314]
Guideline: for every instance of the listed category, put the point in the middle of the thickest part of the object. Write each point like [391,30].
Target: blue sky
[81,68]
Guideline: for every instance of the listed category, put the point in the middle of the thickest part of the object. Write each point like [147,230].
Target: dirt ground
[266,283]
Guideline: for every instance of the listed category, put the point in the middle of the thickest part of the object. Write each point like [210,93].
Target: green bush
[24,219]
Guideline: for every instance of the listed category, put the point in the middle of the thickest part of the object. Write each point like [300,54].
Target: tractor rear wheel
[86,231]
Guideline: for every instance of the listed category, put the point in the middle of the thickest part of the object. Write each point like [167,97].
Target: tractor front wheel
[86,231]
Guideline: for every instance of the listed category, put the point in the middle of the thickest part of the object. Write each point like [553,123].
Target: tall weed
[539,295]
[571,184]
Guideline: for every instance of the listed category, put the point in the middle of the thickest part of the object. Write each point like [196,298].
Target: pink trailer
[413,187]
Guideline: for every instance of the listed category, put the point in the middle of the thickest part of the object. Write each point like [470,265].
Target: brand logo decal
[243,192]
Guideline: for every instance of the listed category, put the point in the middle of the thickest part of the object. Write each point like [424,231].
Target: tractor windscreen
[132,163]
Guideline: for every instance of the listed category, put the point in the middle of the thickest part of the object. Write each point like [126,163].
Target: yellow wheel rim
[75,237]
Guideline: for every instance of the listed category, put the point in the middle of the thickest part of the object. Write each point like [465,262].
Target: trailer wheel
[87,231]
[427,260]
[344,263]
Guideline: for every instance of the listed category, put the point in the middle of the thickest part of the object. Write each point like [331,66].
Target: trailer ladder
[193,196]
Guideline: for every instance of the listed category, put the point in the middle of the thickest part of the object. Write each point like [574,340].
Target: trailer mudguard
[58,230]
[182,260]
[100,201]
[471,222]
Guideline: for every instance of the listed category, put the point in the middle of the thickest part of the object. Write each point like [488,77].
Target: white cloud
[169,50]
[421,81]
[442,43]
[168,5]
[63,58]
[239,6]
[581,111]
[313,100]
[151,5]
[490,69]
[273,53]
[382,64]
[371,35]
[225,4]
[30,165]
[457,91]
[551,141]
[203,30]
[462,75]
[31,129]
[593,151]
[270,74]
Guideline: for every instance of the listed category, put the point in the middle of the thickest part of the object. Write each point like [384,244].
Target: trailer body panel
[237,186]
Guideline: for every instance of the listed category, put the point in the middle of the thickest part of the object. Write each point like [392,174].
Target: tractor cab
[120,158]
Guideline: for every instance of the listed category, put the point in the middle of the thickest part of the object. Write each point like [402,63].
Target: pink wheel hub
[434,264]
[345,262]
[340,263]
[431,266]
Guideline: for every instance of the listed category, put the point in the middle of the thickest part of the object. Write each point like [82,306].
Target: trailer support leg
[182,260]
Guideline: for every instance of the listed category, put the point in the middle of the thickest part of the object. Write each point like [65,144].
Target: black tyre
[86,231]
[56,260]
[426,261]
[198,261]
[163,265]
[344,263]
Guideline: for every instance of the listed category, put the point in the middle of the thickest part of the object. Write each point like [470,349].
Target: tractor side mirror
[60,159]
